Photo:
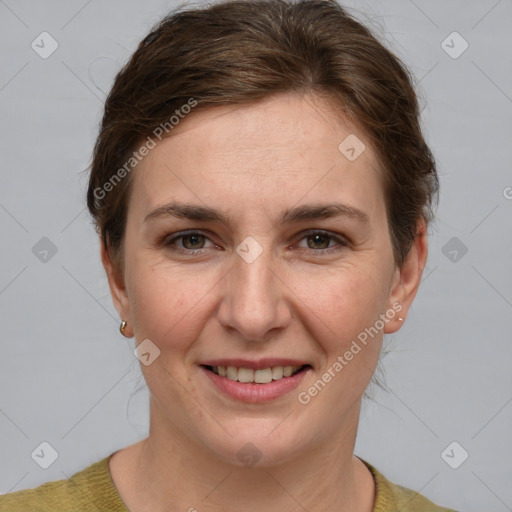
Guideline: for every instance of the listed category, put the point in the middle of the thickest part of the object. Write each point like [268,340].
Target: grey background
[69,378]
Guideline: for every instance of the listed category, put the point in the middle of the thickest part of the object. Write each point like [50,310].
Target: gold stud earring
[122,328]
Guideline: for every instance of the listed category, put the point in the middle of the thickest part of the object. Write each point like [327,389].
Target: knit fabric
[92,490]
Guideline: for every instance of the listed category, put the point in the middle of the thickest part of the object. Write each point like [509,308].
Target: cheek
[165,303]
[344,300]
[341,308]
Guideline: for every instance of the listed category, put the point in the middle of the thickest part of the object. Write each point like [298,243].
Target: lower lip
[254,393]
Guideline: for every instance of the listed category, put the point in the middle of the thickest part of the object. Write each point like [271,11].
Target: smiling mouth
[263,376]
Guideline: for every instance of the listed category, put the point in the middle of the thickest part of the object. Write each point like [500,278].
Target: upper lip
[254,365]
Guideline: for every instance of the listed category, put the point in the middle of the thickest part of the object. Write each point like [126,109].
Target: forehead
[281,148]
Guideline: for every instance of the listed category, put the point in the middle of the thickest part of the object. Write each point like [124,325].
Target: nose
[254,299]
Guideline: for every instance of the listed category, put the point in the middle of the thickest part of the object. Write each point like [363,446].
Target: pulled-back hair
[237,52]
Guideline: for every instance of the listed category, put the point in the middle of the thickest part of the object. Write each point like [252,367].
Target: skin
[252,162]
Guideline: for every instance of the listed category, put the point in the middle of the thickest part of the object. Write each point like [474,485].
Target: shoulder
[90,489]
[47,497]
[391,496]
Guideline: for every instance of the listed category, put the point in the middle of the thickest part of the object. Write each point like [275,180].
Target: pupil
[316,237]
[194,239]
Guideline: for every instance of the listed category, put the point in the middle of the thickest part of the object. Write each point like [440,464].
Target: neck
[170,469]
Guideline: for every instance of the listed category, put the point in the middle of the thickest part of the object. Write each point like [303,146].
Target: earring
[400,318]
[122,328]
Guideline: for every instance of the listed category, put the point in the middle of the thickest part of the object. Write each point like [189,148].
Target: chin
[256,450]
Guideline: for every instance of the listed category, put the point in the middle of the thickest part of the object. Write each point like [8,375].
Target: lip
[255,393]
[255,365]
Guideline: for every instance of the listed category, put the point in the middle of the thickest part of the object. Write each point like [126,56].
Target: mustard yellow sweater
[92,490]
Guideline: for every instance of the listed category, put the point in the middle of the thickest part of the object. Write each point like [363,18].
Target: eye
[319,241]
[192,242]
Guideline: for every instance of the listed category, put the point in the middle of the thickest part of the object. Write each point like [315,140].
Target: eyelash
[170,244]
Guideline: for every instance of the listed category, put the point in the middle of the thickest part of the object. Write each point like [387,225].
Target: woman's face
[276,280]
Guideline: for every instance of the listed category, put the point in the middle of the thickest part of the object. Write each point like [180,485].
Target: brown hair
[237,52]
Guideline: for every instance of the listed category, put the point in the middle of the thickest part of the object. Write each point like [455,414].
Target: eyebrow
[290,215]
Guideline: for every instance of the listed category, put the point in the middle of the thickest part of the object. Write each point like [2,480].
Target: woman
[262,191]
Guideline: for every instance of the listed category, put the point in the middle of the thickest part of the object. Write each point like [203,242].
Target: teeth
[232,373]
[277,372]
[263,376]
[245,374]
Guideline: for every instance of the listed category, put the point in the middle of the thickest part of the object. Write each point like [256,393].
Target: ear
[407,279]
[117,289]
